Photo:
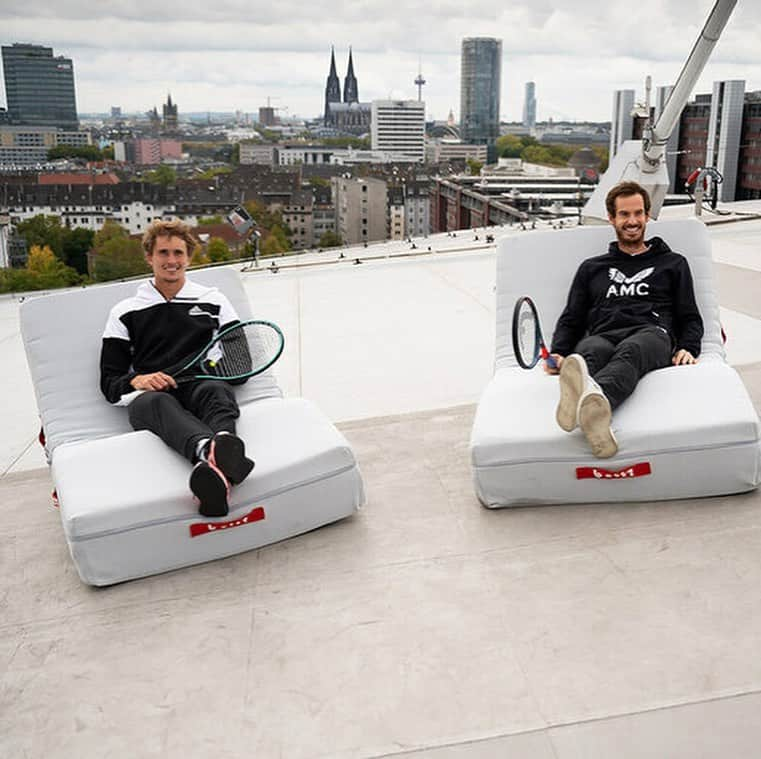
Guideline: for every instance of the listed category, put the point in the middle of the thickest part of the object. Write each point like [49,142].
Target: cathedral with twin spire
[345,114]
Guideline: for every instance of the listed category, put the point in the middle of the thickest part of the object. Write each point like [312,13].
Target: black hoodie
[619,291]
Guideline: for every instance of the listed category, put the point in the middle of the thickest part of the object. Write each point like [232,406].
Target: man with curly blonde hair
[169,319]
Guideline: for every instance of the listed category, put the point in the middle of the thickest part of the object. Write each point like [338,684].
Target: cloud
[239,53]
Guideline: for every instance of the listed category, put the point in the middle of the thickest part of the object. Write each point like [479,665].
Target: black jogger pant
[186,415]
[617,360]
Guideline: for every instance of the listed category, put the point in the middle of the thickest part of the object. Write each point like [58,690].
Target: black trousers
[618,360]
[185,416]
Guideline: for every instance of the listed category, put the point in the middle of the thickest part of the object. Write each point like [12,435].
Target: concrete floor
[425,625]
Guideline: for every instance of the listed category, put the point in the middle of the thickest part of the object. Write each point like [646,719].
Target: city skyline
[577,53]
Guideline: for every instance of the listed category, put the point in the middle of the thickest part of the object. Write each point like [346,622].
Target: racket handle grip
[547,356]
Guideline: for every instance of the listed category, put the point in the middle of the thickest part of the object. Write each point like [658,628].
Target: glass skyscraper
[480,75]
[39,88]
[529,106]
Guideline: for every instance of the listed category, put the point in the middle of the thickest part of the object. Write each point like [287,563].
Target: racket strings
[527,335]
[243,349]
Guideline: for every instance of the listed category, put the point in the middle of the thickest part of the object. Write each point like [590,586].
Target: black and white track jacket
[619,291]
[147,333]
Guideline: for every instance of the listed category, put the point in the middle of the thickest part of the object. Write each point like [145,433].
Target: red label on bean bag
[206,528]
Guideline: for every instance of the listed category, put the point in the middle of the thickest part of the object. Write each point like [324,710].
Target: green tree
[281,233]
[163,175]
[213,172]
[269,135]
[538,154]
[358,143]
[43,271]
[474,166]
[330,239]
[77,243]
[88,152]
[210,220]
[48,270]
[43,230]
[509,146]
[603,152]
[16,281]
[270,222]
[276,242]
[116,255]
[217,250]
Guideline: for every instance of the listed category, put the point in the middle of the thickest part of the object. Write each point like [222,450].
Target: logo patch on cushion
[206,528]
[598,473]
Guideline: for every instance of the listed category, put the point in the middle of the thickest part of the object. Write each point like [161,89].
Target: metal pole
[654,146]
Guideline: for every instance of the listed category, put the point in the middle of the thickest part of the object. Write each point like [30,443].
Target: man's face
[630,219]
[168,259]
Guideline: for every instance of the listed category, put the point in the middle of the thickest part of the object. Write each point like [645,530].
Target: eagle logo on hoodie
[623,285]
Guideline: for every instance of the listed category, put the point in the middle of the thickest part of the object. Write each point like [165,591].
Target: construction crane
[644,161]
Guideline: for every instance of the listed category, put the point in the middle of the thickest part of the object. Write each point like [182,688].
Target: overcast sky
[232,55]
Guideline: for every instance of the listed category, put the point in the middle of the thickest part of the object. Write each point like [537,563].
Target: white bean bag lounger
[686,431]
[126,508]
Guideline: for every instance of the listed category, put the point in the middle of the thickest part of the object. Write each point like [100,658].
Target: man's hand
[154,381]
[558,360]
[683,356]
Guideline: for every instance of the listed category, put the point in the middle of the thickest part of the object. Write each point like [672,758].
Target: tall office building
[398,126]
[724,128]
[622,122]
[39,87]
[529,106]
[480,78]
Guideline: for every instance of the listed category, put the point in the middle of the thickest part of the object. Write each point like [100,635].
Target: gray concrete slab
[726,727]
[424,622]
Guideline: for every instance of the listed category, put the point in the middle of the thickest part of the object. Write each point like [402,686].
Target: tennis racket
[528,341]
[236,353]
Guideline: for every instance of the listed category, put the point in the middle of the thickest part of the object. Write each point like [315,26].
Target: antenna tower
[419,81]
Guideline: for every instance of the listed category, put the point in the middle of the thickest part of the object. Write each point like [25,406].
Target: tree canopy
[163,175]
[88,152]
[330,239]
[529,149]
[474,166]
[275,232]
[116,255]
[217,250]
[70,245]
[43,271]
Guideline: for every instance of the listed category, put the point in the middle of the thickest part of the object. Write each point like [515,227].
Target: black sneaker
[227,452]
[211,488]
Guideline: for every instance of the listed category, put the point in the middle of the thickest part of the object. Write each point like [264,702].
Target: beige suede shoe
[574,378]
[594,419]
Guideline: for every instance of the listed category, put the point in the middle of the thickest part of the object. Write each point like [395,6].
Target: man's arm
[688,324]
[115,369]
[572,323]
[116,376]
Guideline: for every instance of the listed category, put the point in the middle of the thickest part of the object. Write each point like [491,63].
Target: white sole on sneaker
[594,419]
[573,380]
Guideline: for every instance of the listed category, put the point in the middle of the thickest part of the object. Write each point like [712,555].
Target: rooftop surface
[425,625]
